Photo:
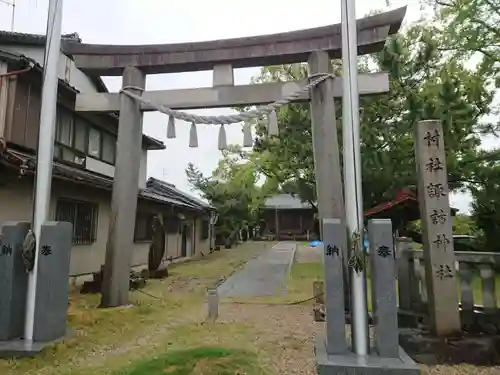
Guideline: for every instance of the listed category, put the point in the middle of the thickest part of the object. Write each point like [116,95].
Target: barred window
[205,225]
[172,225]
[83,216]
[144,227]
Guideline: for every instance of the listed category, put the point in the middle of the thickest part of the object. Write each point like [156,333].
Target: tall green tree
[485,204]
[471,29]
[464,225]
[424,84]
[471,32]
[232,188]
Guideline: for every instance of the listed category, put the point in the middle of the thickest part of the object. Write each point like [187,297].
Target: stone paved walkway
[264,276]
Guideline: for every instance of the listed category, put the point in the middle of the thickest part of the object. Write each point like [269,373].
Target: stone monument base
[160,273]
[19,348]
[349,363]
[474,349]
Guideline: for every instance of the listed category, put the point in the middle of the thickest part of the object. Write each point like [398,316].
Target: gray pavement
[264,276]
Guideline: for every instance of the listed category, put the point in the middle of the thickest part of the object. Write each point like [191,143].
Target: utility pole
[45,151]
[352,173]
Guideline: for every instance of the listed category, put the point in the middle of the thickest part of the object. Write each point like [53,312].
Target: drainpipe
[16,72]
[4,87]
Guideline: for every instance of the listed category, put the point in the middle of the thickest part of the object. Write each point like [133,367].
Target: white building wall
[16,205]
[105,169]
[67,69]
[70,73]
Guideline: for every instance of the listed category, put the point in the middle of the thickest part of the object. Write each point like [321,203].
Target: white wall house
[69,73]
[85,153]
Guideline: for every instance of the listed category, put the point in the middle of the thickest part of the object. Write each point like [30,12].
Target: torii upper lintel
[264,50]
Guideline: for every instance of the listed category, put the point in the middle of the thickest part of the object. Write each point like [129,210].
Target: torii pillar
[328,171]
[115,286]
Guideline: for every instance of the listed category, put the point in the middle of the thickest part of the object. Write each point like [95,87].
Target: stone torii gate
[317,46]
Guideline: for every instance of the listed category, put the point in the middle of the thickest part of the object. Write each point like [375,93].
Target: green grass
[307,271]
[95,330]
[301,279]
[198,361]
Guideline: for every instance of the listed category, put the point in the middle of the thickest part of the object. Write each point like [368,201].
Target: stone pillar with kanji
[436,223]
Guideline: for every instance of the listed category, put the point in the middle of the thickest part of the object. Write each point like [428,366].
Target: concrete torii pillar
[328,171]
[115,285]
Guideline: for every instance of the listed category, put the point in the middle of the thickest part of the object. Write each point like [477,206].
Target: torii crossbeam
[264,50]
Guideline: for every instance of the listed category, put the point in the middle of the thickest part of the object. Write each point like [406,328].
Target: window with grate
[144,227]
[205,225]
[172,225]
[81,135]
[108,148]
[94,143]
[64,127]
[83,216]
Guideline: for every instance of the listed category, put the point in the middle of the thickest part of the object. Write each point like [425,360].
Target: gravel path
[263,276]
[284,338]
[283,335]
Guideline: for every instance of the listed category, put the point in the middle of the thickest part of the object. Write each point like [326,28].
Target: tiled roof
[10,37]
[404,203]
[14,159]
[167,189]
[153,143]
[148,194]
[407,197]
[286,202]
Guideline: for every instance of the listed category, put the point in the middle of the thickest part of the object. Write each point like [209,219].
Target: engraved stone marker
[406,273]
[51,305]
[436,228]
[213,304]
[334,286]
[13,280]
[384,301]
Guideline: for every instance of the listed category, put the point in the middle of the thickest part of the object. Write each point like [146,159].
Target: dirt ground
[300,318]
[282,335]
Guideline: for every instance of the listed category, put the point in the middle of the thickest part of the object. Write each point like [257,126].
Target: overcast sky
[170,21]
